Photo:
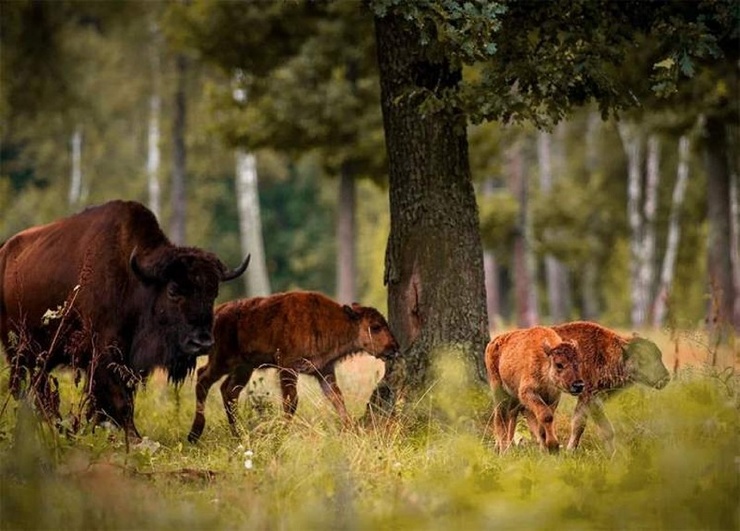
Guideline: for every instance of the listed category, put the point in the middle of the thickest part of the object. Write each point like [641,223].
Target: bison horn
[145,276]
[231,275]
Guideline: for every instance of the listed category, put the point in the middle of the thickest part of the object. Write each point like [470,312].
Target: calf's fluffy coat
[295,332]
[527,370]
[609,362]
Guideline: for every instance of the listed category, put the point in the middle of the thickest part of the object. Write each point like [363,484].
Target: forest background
[206,110]
[593,219]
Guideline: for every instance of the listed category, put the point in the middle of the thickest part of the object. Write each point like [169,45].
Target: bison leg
[499,428]
[230,390]
[328,381]
[544,415]
[578,423]
[289,388]
[596,411]
[206,377]
[503,411]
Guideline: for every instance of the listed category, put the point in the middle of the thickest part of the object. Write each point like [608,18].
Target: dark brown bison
[527,370]
[295,332]
[123,300]
[609,362]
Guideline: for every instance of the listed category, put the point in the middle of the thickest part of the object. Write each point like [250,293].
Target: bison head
[564,369]
[374,335]
[644,363]
[181,284]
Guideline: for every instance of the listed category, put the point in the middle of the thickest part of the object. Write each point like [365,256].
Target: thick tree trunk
[177,223]
[346,231]
[660,307]
[434,257]
[250,224]
[718,197]
[524,286]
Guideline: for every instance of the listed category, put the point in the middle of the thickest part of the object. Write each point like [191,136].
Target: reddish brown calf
[609,362]
[295,332]
[527,370]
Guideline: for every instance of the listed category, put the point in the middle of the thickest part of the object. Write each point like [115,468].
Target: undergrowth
[433,467]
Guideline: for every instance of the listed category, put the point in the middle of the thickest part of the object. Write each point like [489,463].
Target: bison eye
[173,291]
[559,366]
[376,329]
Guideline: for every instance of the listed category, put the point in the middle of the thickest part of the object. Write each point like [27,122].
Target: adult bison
[105,292]
[295,332]
[609,362]
[527,370]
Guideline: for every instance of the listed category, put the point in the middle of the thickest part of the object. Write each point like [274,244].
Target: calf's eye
[559,366]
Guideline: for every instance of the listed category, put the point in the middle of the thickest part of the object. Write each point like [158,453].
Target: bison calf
[609,362]
[295,332]
[527,370]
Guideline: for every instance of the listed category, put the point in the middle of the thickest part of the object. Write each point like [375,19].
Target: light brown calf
[609,362]
[295,332]
[527,370]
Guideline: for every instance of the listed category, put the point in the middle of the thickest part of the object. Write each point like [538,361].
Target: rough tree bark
[434,256]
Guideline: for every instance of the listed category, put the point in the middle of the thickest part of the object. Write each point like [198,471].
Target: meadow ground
[676,466]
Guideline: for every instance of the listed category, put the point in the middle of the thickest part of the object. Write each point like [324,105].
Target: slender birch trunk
[153,159]
[346,230]
[177,223]
[660,307]
[491,275]
[632,142]
[523,284]
[256,280]
[554,269]
[589,278]
[75,183]
[652,180]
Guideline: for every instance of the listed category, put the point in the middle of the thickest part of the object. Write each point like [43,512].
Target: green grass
[676,465]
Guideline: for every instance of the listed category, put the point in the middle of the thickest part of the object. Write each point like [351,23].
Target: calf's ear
[349,310]
[546,347]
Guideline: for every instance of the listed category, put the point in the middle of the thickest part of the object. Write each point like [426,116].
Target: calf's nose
[576,388]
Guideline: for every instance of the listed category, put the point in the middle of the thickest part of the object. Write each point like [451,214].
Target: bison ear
[146,275]
[350,311]
[546,347]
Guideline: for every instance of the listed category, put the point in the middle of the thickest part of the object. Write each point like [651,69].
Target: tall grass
[434,467]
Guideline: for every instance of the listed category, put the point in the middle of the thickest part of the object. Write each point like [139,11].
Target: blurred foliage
[307,70]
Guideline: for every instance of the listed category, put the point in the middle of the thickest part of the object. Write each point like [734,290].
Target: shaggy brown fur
[132,301]
[527,370]
[609,362]
[296,332]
